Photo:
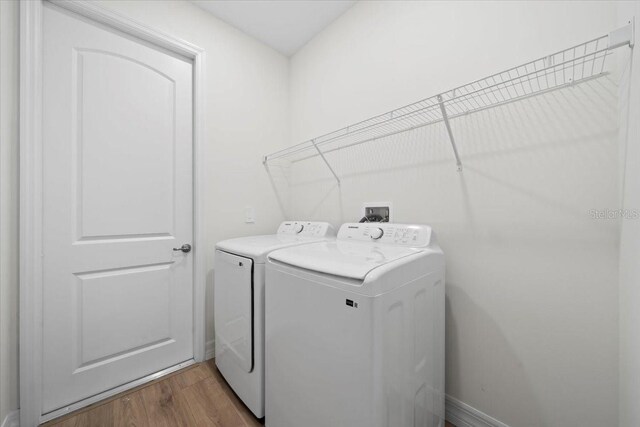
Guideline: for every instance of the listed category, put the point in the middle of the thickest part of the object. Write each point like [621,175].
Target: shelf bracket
[624,36]
[325,160]
[445,118]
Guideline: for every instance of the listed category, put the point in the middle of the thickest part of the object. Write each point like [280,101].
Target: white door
[117,164]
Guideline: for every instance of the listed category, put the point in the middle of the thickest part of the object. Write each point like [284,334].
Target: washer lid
[256,247]
[340,258]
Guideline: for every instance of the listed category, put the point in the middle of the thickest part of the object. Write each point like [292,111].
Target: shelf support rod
[313,141]
[445,118]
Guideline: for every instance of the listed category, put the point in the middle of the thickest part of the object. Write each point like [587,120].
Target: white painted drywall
[282,24]
[246,113]
[8,207]
[532,294]
[630,234]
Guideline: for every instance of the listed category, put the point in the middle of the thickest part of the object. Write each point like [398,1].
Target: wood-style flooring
[195,396]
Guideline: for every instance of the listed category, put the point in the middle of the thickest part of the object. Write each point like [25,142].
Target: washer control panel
[396,234]
[306,228]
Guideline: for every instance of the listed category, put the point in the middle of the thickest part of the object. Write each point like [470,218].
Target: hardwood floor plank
[196,396]
[100,416]
[246,414]
[165,406]
[91,407]
[130,411]
[210,405]
[188,378]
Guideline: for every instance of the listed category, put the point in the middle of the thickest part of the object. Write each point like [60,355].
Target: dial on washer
[376,233]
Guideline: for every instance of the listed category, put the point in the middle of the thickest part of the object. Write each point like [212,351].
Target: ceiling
[285,25]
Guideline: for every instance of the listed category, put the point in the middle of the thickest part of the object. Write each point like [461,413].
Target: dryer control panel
[396,234]
[307,229]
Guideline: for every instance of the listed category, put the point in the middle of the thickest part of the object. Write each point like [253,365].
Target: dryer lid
[342,258]
[290,233]
[256,247]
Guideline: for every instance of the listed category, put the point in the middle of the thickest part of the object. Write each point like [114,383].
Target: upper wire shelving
[567,67]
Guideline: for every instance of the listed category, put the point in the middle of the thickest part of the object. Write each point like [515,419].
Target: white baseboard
[462,415]
[209,350]
[12,419]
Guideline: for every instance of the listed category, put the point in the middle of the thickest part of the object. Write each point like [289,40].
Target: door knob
[186,248]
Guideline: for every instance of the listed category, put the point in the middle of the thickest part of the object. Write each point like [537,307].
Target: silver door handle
[186,248]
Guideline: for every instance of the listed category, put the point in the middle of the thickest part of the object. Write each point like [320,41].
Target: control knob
[297,228]
[376,233]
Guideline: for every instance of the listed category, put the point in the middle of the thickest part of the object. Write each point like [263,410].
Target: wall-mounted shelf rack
[568,67]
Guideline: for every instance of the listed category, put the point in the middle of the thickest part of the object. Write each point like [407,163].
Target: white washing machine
[239,304]
[355,330]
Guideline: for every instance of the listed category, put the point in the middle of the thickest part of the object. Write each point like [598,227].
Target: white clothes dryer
[239,304]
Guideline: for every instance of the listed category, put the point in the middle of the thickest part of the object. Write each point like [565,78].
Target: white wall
[8,207]
[630,235]
[532,294]
[246,114]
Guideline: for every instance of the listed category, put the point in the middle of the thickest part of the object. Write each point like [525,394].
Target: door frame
[31,195]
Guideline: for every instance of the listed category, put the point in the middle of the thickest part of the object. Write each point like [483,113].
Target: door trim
[31,195]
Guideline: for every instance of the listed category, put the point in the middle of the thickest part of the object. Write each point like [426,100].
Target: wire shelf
[568,67]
